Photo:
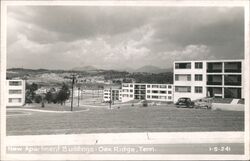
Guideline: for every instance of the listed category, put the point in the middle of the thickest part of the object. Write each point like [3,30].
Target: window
[198,77]
[125,85]
[12,91]
[183,89]
[131,90]
[125,90]
[148,96]
[182,77]
[155,97]
[169,92]
[163,86]
[163,97]
[131,85]
[198,89]
[148,86]
[163,92]
[148,91]
[169,86]
[176,77]
[182,65]
[198,65]
[131,95]
[154,91]
[15,83]
[15,100]
[169,97]
[155,86]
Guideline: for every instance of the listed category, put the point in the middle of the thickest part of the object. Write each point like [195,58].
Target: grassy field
[165,118]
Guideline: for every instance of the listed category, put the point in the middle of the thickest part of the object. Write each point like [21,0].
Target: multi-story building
[115,94]
[15,92]
[143,91]
[210,78]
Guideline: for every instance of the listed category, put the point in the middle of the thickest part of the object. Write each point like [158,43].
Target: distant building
[15,92]
[144,91]
[41,90]
[210,78]
[114,95]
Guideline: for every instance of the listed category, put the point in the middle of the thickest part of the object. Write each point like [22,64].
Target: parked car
[184,102]
[204,103]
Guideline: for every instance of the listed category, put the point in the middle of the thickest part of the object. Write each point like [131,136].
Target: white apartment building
[210,78]
[115,94]
[143,91]
[15,92]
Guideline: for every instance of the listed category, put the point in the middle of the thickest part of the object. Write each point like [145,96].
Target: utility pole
[72,94]
[78,95]
[110,102]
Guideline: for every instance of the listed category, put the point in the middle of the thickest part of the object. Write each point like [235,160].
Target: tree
[38,98]
[63,94]
[49,97]
[30,92]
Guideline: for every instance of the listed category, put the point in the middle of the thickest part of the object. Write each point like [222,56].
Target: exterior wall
[127,92]
[164,92]
[214,75]
[154,92]
[15,93]
[115,95]
[192,83]
[106,95]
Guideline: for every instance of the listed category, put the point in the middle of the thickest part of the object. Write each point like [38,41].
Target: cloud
[62,37]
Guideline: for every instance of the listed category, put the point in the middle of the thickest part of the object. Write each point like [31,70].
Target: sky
[64,37]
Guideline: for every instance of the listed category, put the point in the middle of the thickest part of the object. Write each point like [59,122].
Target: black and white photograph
[124,81]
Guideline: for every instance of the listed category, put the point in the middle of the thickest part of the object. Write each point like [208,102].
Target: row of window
[128,90]
[187,89]
[198,65]
[187,77]
[149,86]
[127,95]
[159,97]
[127,85]
[157,91]
[159,86]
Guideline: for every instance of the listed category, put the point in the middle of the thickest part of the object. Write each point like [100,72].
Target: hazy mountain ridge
[85,68]
[143,69]
[152,69]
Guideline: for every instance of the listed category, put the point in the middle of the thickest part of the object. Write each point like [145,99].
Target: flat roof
[218,60]
[150,83]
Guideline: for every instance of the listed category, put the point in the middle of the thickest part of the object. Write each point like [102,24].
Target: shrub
[144,103]
[38,98]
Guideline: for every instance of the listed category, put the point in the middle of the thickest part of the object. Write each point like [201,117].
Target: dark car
[184,102]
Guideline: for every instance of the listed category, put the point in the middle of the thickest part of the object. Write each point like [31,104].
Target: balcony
[232,80]
[214,80]
[214,67]
[232,67]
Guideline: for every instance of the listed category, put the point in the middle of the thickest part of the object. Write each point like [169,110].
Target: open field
[164,118]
